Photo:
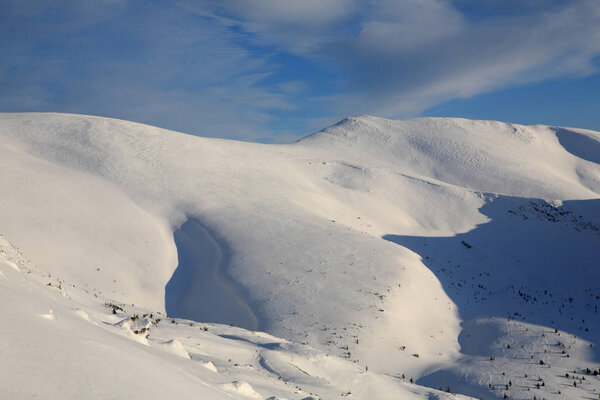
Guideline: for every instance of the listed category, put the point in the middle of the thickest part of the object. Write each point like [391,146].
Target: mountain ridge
[325,240]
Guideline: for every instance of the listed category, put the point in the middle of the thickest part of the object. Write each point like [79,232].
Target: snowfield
[431,258]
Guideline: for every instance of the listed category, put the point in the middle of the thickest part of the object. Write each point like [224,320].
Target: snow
[448,252]
[243,388]
[191,291]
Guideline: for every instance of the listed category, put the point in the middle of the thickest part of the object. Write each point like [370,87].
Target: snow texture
[424,258]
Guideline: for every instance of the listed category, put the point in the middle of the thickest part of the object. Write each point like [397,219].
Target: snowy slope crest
[528,161]
[392,246]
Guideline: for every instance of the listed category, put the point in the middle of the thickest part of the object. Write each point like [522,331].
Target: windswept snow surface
[453,253]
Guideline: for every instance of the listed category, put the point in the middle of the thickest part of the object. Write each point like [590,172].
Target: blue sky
[275,70]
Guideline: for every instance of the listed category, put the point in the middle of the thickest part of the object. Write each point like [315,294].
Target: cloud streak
[232,68]
[406,56]
[153,64]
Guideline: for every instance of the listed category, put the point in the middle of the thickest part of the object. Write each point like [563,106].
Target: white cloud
[405,56]
[297,26]
[192,63]
[155,65]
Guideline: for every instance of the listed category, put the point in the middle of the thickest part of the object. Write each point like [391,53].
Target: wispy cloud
[155,64]
[403,57]
[233,68]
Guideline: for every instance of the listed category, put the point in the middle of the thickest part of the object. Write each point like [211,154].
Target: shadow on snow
[531,261]
[199,289]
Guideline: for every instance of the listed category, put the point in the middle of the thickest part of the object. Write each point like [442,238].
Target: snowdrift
[374,241]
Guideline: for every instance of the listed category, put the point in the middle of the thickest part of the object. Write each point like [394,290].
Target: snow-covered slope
[490,156]
[397,246]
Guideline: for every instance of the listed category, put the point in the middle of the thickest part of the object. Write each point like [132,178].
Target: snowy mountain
[375,259]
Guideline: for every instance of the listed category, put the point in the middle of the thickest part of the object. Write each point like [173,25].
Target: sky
[277,70]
